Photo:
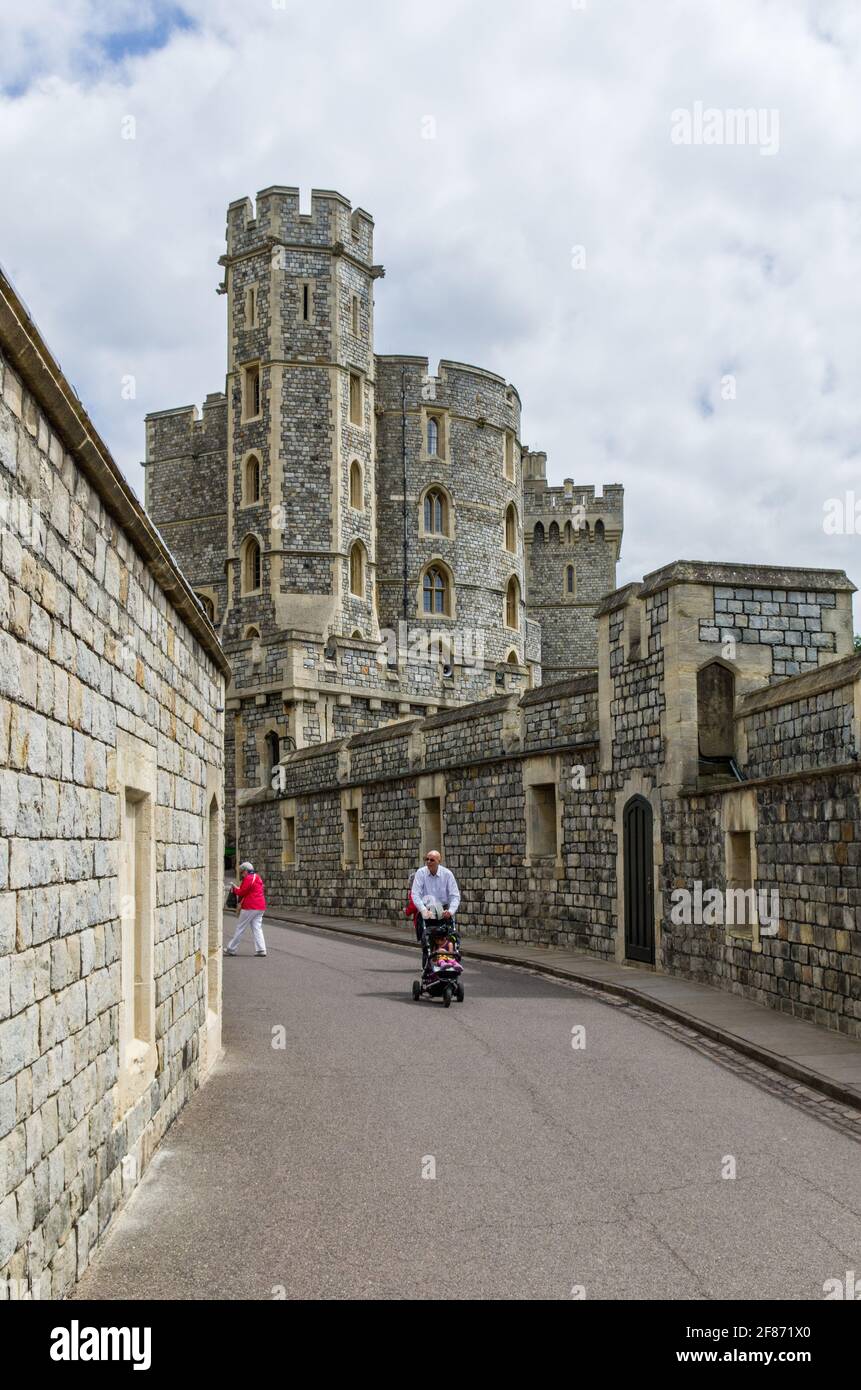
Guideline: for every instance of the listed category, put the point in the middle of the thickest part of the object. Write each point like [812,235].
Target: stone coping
[30,357]
[402,728]
[735,575]
[617,599]
[561,690]
[478,709]
[849,768]
[803,686]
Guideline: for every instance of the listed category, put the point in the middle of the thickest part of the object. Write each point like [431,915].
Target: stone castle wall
[304,647]
[104,688]
[598,742]
[573,539]
[186,492]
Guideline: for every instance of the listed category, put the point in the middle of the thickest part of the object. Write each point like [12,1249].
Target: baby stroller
[442,968]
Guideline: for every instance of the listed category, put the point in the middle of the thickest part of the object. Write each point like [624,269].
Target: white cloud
[553,129]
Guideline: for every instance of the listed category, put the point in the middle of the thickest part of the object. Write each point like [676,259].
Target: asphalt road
[297,1171]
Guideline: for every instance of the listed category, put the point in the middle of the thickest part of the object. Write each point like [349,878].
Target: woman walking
[252,905]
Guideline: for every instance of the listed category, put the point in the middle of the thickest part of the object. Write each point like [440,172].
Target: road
[300,1171]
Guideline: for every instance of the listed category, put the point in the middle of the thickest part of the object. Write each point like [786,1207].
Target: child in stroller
[441,963]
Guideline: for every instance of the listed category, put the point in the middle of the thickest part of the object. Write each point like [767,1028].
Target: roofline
[30,357]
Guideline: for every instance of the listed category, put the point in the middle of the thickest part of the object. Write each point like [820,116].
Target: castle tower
[450,518]
[301,495]
[186,493]
[573,541]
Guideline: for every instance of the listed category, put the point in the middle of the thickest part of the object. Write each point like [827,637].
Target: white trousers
[249,917]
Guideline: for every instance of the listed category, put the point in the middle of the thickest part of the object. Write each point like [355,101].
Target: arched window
[569,580]
[357,499]
[599,530]
[436,591]
[252,633]
[433,436]
[568,533]
[252,478]
[554,533]
[512,603]
[511,527]
[538,534]
[252,565]
[273,752]
[512,658]
[436,512]
[207,605]
[715,712]
[357,570]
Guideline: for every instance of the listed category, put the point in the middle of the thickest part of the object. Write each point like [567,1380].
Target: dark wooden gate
[639,881]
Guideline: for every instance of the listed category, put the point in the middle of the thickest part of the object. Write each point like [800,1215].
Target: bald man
[435,893]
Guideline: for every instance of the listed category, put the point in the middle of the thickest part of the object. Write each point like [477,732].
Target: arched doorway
[639,881]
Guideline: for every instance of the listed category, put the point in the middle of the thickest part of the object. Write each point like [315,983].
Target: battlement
[277,216]
[186,430]
[471,391]
[541,500]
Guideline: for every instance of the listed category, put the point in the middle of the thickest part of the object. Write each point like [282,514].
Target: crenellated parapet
[332,223]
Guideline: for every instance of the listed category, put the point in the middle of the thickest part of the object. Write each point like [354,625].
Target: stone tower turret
[300,428]
[573,540]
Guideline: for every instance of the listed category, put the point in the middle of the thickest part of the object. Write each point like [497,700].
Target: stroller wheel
[417,989]
[459,993]
[446,997]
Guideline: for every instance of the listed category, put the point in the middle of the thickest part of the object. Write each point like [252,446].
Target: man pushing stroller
[436,898]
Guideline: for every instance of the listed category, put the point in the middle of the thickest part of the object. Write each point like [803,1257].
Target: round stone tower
[450,513]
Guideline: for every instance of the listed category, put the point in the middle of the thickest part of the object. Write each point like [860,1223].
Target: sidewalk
[826,1062]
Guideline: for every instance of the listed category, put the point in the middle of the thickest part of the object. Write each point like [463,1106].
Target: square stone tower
[573,541]
[300,417]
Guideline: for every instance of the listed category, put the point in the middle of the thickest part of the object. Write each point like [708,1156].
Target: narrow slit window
[356,497]
[355,399]
[252,392]
[351,836]
[433,437]
[512,604]
[289,840]
[509,456]
[357,571]
[542,821]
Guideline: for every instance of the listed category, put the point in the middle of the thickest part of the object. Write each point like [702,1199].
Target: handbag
[232,900]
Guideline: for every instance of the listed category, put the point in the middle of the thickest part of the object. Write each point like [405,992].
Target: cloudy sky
[677,299]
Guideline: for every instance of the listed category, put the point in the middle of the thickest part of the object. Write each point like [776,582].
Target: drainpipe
[404,462]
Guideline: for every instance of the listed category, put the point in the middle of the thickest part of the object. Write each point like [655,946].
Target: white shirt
[441,887]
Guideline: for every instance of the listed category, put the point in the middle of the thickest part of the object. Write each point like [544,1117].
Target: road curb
[846,1095]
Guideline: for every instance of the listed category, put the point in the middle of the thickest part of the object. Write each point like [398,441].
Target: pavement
[825,1061]
[538,1141]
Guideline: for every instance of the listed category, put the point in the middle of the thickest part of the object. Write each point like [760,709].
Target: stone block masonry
[111,806]
[529,796]
[333,500]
